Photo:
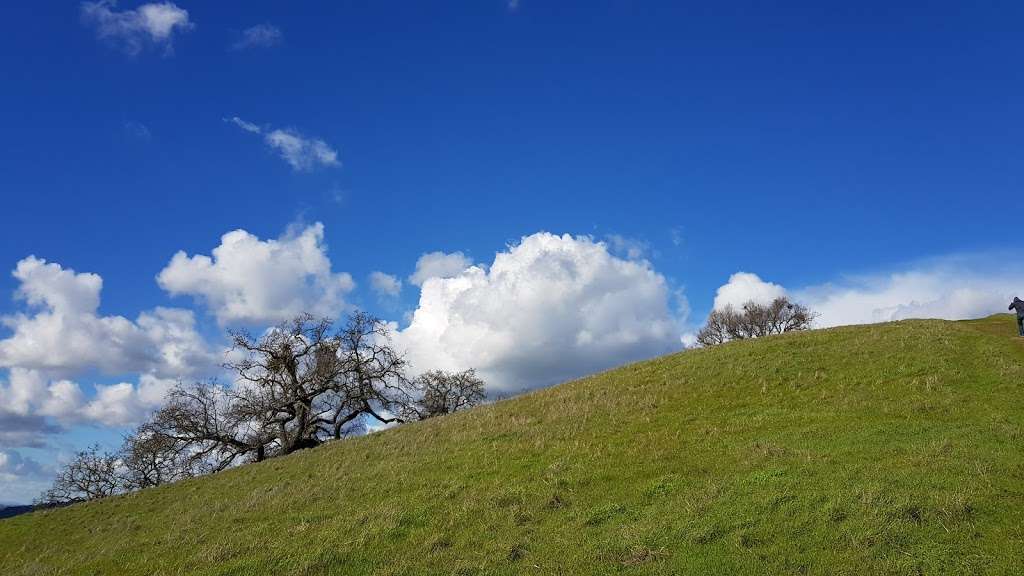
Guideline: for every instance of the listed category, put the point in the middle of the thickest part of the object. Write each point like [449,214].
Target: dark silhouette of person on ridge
[1018,305]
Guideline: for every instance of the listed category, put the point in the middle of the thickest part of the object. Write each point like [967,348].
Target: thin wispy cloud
[301,152]
[153,24]
[138,130]
[676,234]
[259,36]
[631,248]
[247,126]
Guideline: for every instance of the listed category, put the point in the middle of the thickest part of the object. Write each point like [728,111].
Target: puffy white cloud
[249,281]
[385,285]
[153,23]
[124,403]
[439,265]
[744,287]
[62,290]
[259,36]
[550,308]
[180,350]
[300,152]
[63,332]
[28,393]
[28,399]
[61,399]
[114,404]
[28,405]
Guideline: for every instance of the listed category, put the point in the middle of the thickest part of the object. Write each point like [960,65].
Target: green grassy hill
[887,449]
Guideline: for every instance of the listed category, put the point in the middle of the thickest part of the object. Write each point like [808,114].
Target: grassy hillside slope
[886,449]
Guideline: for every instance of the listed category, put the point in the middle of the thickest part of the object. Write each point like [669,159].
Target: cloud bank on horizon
[951,288]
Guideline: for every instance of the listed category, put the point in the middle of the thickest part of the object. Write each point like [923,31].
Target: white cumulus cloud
[33,408]
[744,287]
[439,265]
[63,332]
[386,285]
[149,24]
[249,281]
[29,394]
[124,403]
[547,309]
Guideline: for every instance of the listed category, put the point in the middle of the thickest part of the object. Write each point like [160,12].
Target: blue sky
[865,158]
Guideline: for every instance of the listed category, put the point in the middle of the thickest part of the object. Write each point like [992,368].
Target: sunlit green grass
[887,449]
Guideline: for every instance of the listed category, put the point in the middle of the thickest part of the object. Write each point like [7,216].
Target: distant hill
[887,449]
[9,511]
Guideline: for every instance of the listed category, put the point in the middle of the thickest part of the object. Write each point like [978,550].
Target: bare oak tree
[754,320]
[91,474]
[201,421]
[283,378]
[297,385]
[151,459]
[446,392]
[374,381]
